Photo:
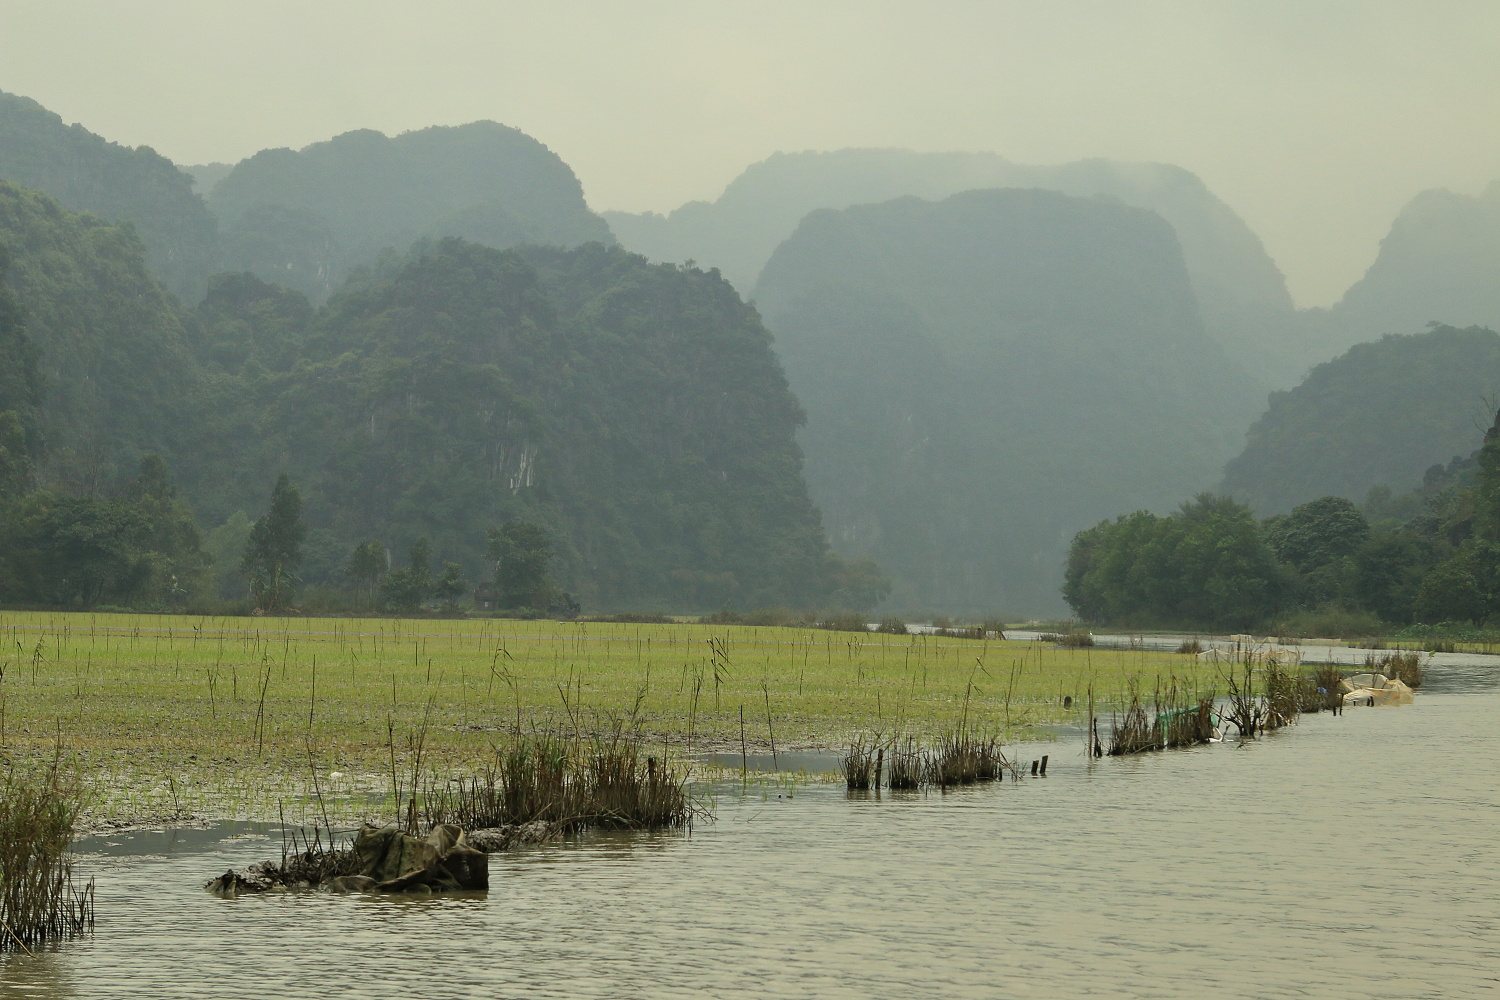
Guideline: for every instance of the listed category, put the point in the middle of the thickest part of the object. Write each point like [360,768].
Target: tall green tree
[15,460]
[451,586]
[1486,493]
[367,564]
[521,553]
[406,588]
[275,549]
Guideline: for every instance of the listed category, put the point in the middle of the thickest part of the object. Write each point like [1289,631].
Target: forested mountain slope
[1379,415]
[118,377]
[90,174]
[1242,296]
[305,218]
[988,374]
[637,410]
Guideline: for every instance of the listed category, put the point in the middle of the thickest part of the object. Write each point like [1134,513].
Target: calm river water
[1346,857]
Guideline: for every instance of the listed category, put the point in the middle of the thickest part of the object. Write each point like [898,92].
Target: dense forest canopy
[1380,415]
[304,218]
[88,173]
[986,374]
[119,377]
[634,409]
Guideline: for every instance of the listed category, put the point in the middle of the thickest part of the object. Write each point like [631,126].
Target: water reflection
[43,974]
[1350,856]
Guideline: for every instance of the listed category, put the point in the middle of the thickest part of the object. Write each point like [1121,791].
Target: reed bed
[905,763]
[39,901]
[964,759]
[1178,716]
[570,785]
[1133,731]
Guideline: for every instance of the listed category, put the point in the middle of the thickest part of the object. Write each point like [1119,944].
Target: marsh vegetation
[231,717]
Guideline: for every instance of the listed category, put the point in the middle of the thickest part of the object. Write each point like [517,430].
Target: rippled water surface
[1347,857]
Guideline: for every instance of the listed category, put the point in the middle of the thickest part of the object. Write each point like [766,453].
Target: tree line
[1431,557]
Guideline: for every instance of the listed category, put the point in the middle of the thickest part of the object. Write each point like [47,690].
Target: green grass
[231,716]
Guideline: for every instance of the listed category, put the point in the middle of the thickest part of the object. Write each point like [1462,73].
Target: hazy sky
[1316,121]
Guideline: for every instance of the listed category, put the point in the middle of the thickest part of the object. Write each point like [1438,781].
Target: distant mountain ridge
[305,218]
[88,173]
[1241,294]
[986,375]
[1440,263]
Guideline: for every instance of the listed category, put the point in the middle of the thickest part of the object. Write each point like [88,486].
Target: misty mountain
[88,173]
[1242,297]
[1379,415]
[1440,263]
[118,376]
[305,218]
[988,374]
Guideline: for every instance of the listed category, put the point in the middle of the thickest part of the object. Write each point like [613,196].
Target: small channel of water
[1346,857]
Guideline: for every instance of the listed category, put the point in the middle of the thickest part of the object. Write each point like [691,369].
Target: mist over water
[1345,857]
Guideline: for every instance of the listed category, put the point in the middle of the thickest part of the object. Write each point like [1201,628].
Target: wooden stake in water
[769,728]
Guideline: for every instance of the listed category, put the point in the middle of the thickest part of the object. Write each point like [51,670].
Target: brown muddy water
[1345,857]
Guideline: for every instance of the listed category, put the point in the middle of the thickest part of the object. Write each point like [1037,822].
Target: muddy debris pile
[387,859]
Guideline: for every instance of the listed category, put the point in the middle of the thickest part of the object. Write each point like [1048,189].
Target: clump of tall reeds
[1405,667]
[859,766]
[1181,718]
[1245,708]
[38,899]
[609,782]
[307,860]
[1190,647]
[1133,732]
[1282,701]
[963,759]
[893,626]
[907,764]
[1188,725]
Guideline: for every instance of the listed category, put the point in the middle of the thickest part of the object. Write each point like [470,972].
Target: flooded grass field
[1344,856]
[231,717]
[1348,856]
